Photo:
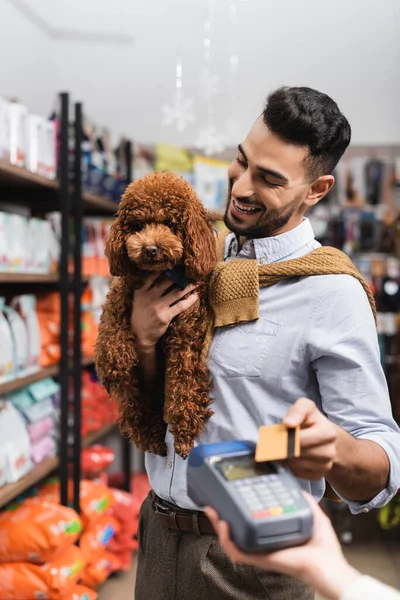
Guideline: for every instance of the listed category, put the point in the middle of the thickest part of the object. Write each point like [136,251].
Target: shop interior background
[183,81]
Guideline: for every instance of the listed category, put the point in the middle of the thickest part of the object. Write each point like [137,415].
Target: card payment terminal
[262,502]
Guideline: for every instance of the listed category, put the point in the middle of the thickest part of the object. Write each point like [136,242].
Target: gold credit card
[277,442]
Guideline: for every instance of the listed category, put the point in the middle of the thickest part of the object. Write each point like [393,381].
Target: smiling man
[311,359]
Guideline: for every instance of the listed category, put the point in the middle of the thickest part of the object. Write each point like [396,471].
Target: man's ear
[319,189]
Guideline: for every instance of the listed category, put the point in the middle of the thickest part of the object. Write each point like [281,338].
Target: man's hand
[317,440]
[153,309]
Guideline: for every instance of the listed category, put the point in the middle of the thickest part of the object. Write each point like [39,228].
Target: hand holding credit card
[277,442]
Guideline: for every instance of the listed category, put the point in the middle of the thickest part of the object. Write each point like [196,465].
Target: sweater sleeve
[367,588]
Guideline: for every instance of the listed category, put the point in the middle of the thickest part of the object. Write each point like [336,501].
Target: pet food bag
[15,447]
[20,340]
[97,536]
[95,460]
[40,428]
[37,531]
[96,572]
[7,353]
[43,449]
[52,581]
[25,305]
[95,498]
[79,592]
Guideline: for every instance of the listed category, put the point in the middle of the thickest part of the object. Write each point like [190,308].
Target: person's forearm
[361,468]
[330,579]
[147,362]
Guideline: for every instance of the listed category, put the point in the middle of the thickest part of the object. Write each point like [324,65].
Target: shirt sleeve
[367,588]
[344,354]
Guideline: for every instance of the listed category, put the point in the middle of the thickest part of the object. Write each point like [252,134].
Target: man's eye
[240,160]
[136,226]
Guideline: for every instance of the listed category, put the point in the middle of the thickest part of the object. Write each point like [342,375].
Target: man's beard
[269,224]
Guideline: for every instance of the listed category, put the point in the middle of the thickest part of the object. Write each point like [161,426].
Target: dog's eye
[170,224]
[136,226]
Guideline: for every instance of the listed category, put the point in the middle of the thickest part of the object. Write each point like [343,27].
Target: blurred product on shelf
[53,580]
[210,182]
[80,592]
[21,346]
[38,403]
[97,536]
[37,531]
[27,140]
[95,498]
[49,315]
[95,232]
[15,446]
[100,568]
[95,461]
[28,244]
[97,408]
[92,301]
[125,510]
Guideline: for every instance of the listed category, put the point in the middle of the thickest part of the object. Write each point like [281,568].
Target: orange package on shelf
[96,459]
[37,531]
[52,581]
[95,498]
[97,571]
[48,310]
[97,536]
[125,507]
[80,592]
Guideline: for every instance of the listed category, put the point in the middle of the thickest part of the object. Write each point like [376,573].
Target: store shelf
[29,277]
[37,474]
[94,201]
[96,436]
[12,490]
[21,177]
[20,382]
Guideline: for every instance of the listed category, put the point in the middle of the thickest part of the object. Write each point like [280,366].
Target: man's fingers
[149,281]
[299,412]
[177,309]
[176,295]
[213,517]
[318,436]
[310,469]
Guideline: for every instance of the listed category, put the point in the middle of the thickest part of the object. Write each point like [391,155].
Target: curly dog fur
[160,223]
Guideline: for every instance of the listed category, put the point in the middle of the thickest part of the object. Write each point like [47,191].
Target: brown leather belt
[179,519]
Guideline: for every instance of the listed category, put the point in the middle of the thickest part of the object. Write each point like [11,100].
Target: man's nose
[243,186]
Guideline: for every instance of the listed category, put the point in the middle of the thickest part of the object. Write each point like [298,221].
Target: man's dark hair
[306,117]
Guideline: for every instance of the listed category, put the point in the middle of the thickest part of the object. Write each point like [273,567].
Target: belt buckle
[168,514]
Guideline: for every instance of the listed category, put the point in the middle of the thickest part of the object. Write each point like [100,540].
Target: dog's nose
[151,251]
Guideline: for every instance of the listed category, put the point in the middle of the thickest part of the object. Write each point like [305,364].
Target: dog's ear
[116,251]
[199,246]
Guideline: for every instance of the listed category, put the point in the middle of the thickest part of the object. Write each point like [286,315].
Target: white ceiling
[349,49]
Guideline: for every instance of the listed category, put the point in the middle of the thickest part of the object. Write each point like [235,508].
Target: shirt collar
[272,249]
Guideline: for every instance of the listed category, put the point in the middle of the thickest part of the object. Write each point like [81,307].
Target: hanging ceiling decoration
[209,139]
[70,35]
[180,111]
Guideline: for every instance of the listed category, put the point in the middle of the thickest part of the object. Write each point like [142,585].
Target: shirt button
[262,261]
[365,510]
[170,464]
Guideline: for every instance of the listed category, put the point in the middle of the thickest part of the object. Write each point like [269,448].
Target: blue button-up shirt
[315,338]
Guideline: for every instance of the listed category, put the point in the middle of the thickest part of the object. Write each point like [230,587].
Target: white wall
[351,50]
[26,63]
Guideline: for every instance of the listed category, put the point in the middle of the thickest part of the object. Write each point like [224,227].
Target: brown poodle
[160,223]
